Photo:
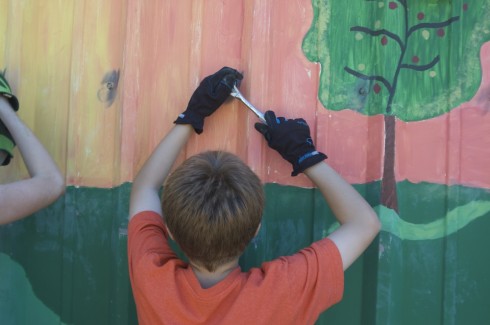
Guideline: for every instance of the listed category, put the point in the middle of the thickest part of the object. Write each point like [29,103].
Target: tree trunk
[389,197]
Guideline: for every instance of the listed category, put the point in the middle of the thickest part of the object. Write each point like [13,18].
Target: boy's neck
[208,279]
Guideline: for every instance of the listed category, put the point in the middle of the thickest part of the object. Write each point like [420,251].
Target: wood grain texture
[160,50]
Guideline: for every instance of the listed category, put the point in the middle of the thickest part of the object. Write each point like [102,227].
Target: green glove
[6,92]
[7,144]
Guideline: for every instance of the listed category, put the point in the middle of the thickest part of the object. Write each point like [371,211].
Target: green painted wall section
[437,273]
[67,263]
[74,258]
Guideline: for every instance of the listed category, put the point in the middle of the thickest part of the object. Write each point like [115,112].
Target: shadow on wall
[23,306]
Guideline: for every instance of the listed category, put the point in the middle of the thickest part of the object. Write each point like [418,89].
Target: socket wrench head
[237,94]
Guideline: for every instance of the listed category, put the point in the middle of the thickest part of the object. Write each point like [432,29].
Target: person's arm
[24,197]
[358,222]
[206,99]
[146,185]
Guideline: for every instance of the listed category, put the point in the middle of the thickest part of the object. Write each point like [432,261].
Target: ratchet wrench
[237,94]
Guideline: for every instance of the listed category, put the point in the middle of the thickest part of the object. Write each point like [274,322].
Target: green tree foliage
[424,53]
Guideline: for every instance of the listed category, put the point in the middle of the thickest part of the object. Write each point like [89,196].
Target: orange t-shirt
[288,290]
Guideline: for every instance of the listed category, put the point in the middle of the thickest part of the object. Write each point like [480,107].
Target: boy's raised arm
[146,185]
[359,223]
[22,198]
[207,98]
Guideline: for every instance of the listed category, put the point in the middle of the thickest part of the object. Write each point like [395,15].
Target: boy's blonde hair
[212,205]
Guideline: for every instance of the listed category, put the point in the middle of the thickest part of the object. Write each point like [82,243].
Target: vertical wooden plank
[4,16]
[94,160]
[279,78]
[156,74]
[44,83]
[98,38]
[221,35]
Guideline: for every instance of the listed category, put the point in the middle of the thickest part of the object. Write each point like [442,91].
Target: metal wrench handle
[237,94]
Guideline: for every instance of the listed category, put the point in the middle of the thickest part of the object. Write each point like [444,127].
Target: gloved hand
[208,97]
[7,144]
[292,140]
[6,92]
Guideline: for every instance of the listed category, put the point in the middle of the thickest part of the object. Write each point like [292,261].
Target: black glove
[208,97]
[291,138]
[6,92]
[7,143]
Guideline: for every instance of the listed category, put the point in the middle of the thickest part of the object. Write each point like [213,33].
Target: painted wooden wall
[100,83]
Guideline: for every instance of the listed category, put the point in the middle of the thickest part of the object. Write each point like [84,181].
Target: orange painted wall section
[452,148]
[57,54]
[255,37]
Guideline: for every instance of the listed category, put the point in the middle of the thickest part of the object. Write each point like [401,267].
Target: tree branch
[432,25]
[371,32]
[421,67]
[366,77]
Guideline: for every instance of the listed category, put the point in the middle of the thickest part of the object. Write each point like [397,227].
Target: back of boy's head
[213,205]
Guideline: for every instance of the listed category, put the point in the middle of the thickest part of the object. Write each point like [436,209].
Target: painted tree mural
[411,60]
[388,186]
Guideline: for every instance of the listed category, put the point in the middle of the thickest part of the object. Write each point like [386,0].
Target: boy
[24,197]
[212,207]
